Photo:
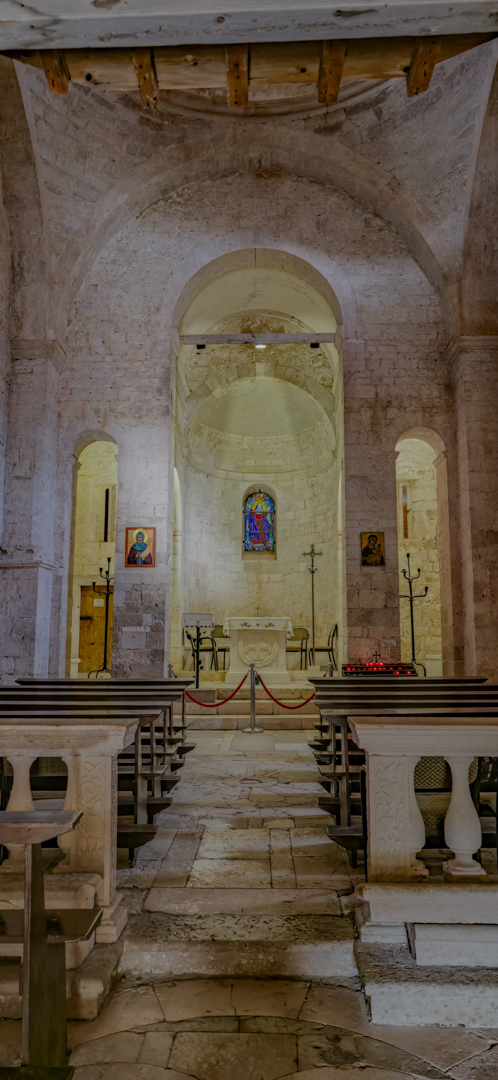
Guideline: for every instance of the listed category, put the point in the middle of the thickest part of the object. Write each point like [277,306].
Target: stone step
[400,993]
[296,721]
[159,946]
[86,986]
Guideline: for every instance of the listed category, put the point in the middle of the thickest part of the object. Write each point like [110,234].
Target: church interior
[249,540]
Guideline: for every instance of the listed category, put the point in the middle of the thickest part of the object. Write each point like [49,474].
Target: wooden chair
[217,636]
[299,643]
[203,648]
[329,647]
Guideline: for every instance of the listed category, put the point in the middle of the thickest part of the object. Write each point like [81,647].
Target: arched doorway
[94,544]
[260,419]
[422,533]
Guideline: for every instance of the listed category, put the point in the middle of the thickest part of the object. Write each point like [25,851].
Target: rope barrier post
[253,729]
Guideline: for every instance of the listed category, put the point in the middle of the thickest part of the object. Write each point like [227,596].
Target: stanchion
[255,730]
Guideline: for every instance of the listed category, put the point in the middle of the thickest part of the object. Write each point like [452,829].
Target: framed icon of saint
[372,549]
[140,546]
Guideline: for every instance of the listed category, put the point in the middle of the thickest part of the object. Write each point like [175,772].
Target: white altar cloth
[261,641]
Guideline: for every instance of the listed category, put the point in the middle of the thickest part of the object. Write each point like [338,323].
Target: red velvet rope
[277,702]
[216,704]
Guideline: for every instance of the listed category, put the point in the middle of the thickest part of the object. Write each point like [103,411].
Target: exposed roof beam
[146,77]
[56,70]
[423,61]
[237,59]
[330,71]
[206,67]
[255,339]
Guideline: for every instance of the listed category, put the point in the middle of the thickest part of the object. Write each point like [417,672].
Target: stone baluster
[462,828]
[396,826]
[20,799]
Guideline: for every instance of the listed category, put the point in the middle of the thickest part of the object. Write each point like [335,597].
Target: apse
[260,420]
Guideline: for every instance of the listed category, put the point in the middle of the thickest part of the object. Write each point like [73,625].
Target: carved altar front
[259,641]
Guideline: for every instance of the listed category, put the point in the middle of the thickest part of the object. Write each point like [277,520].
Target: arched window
[259,522]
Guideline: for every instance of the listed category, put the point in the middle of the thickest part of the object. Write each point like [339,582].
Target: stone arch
[76,575]
[440,463]
[310,157]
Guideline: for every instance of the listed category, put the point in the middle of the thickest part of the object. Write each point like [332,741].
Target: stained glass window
[259,522]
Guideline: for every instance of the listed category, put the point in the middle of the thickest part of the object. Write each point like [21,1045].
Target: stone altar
[260,641]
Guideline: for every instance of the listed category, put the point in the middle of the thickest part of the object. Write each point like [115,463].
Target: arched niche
[423,531]
[93,543]
[268,419]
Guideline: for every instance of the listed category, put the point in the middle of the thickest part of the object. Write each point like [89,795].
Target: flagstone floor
[244,848]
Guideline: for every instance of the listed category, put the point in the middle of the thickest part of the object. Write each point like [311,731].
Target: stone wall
[120,210]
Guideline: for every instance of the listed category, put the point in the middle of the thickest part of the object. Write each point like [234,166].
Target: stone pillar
[476,401]
[396,829]
[91,848]
[27,564]
[142,594]
[372,592]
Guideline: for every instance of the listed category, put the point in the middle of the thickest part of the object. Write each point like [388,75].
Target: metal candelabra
[312,554]
[411,599]
[109,581]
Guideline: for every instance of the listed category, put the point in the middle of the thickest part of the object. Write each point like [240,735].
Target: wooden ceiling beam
[56,70]
[256,339]
[242,66]
[237,59]
[146,77]
[330,72]
[425,56]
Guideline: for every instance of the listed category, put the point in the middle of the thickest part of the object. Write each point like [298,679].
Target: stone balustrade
[90,748]
[396,831]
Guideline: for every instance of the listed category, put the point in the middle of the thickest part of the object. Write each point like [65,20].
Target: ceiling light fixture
[260,346]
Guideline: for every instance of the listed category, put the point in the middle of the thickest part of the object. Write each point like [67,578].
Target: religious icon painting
[259,522]
[140,547]
[372,549]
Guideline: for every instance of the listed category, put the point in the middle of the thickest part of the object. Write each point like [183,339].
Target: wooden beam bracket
[56,70]
[330,72]
[237,57]
[146,77]
[424,58]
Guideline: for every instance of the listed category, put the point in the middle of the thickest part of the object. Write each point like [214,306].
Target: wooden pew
[341,767]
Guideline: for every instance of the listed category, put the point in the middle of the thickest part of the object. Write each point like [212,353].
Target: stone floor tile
[482,1067]
[134,899]
[234,844]
[243,901]
[282,866]
[226,1057]
[177,864]
[128,1072]
[268,997]
[342,1048]
[121,1046]
[188,998]
[316,873]
[158,847]
[156,1048]
[230,874]
[336,1005]
[444,1047]
[332,1073]
[197,1023]
[278,1025]
[123,1011]
[313,841]
[141,876]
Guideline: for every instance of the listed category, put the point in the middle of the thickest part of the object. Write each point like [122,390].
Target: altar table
[259,641]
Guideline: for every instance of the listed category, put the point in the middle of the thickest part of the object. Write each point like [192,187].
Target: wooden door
[92,627]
